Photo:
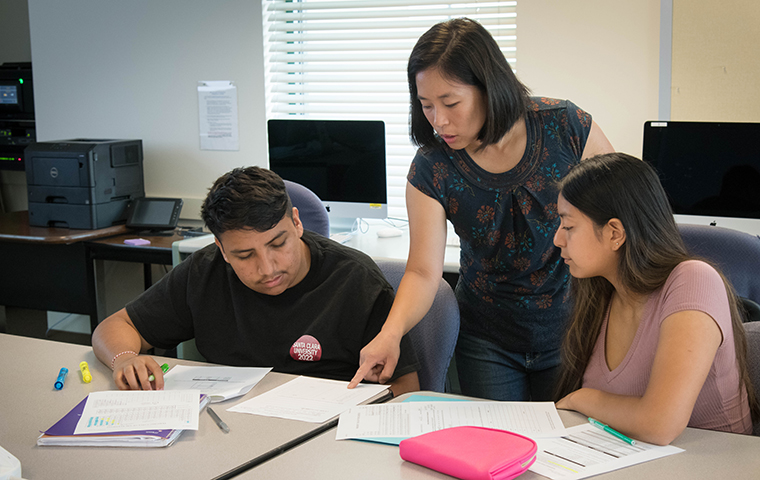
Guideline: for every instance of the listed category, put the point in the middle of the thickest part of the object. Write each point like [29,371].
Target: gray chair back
[736,253]
[311,210]
[435,337]
[752,329]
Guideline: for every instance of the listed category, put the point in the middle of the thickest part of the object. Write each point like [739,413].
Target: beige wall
[716,60]
[601,54]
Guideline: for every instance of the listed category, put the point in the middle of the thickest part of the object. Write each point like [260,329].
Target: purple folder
[62,433]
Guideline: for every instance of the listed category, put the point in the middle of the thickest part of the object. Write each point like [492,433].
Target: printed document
[308,399]
[124,411]
[219,383]
[587,451]
[218,115]
[409,419]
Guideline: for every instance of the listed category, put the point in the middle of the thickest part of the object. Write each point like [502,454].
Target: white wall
[603,55]
[105,69]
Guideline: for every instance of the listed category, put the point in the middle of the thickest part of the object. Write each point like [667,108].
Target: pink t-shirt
[692,285]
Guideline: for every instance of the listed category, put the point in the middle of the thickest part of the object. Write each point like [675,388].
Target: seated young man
[267,293]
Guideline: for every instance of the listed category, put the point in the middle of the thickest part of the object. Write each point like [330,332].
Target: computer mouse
[389,232]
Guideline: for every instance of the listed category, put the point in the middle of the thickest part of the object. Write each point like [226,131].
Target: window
[346,59]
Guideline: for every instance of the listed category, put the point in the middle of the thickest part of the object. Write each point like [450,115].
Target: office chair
[314,218]
[311,211]
[752,329]
[736,253]
[435,337]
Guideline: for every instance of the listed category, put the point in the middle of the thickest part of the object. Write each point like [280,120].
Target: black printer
[83,183]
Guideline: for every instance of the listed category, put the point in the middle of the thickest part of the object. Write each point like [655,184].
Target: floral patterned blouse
[513,282]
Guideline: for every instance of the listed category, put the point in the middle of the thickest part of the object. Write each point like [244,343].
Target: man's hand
[131,373]
[377,360]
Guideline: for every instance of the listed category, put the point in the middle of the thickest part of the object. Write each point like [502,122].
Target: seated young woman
[655,341]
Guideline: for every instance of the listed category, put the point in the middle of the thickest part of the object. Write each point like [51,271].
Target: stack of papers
[563,454]
[415,417]
[586,451]
[127,419]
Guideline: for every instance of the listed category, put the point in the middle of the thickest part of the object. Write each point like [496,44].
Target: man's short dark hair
[250,198]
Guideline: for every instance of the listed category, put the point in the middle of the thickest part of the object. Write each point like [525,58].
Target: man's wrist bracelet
[120,354]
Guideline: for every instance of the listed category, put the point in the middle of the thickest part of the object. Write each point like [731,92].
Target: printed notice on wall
[217,108]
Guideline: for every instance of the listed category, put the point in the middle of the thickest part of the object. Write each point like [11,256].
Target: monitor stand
[342,224]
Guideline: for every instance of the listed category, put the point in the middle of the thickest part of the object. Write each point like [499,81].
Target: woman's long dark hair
[616,185]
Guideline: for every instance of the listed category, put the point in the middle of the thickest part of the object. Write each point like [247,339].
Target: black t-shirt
[315,328]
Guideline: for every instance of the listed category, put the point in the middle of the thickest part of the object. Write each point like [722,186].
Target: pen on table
[164,368]
[611,431]
[86,377]
[218,420]
[61,378]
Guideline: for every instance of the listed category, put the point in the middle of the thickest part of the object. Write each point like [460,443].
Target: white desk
[392,248]
[707,455]
[396,248]
[29,403]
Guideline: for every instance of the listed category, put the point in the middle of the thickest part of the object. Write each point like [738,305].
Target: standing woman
[488,159]
[656,341]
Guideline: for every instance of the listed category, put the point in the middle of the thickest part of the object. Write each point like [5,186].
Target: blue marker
[61,378]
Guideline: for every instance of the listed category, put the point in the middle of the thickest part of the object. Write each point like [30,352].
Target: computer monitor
[342,161]
[710,171]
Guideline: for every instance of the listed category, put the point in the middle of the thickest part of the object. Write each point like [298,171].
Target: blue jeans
[488,371]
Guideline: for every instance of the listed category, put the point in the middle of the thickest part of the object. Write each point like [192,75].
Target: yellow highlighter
[85,372]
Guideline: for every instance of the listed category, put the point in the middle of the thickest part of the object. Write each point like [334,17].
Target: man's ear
[615,233]
[297,222]
[221,248]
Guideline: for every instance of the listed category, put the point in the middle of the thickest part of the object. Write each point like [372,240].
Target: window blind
[346,59]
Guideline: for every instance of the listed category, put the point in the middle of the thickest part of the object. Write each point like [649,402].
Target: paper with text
[219,383]
[308,399]
[123,411]
[587,451]
[532,419]
[218,115]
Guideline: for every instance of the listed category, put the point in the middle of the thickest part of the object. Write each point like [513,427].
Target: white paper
[409,419]
[218,115]
[587,451]
[219,383]
[308,399]
[10,467]
[124,411]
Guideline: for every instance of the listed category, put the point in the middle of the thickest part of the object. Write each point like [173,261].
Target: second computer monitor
[710,171]
[342,161]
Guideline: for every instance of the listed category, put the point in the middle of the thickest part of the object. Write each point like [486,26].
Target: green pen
[164,368]
[611,431]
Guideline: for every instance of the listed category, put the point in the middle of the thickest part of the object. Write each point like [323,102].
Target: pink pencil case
[471,453]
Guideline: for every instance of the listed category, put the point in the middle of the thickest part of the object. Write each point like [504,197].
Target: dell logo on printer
[54,172]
